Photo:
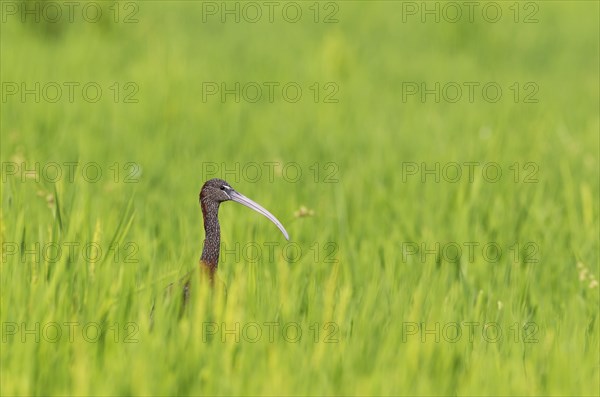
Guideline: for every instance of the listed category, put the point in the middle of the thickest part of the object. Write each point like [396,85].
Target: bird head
[215,191]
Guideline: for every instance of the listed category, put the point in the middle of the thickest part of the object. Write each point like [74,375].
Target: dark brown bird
[213,193]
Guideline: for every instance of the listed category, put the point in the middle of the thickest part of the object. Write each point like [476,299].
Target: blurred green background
[376,289]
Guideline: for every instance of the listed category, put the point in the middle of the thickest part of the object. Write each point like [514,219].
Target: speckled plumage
[212,195]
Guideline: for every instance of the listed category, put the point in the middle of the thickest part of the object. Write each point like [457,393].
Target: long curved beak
[240,198]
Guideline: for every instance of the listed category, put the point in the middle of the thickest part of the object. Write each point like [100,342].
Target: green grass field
[451,167]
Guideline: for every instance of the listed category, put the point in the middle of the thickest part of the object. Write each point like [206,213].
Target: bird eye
[222,187]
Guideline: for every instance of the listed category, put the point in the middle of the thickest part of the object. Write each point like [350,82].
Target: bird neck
[212,239]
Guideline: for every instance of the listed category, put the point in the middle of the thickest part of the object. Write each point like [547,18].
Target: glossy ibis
[213,193]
